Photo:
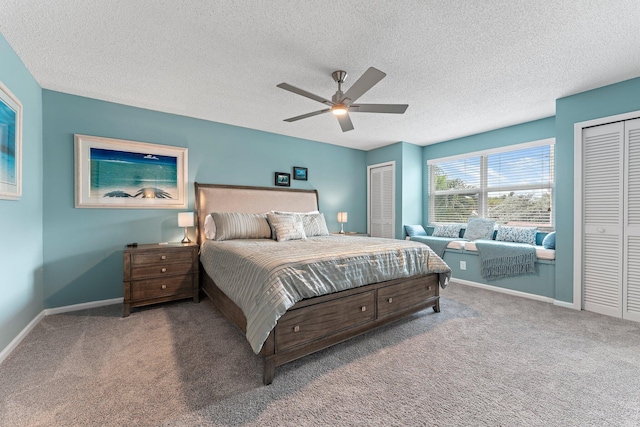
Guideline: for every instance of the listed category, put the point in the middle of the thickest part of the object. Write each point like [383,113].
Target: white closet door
[381,202]
[631,282]
[603,178]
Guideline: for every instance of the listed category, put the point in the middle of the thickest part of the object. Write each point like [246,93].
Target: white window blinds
[513,186]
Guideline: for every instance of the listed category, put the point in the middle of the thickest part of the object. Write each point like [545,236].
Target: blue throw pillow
[549,241]
[415,230]
[479,228]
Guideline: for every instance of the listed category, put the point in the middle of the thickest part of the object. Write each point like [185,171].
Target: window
[513,185]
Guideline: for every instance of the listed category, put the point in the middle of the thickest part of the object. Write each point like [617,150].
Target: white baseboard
[566,304]
[83,306]
[506,291]
[18,339]
[47,312]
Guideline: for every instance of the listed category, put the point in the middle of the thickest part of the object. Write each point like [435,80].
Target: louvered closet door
[381,221]
[603,218]
[631,283]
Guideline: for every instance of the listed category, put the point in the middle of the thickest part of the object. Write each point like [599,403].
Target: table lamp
[185,219]
[342,218]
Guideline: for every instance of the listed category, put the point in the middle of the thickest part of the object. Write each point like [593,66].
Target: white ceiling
[462,66]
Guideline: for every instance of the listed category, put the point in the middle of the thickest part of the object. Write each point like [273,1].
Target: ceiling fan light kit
[342,103]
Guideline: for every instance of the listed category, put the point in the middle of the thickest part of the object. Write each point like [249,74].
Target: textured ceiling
[462,66]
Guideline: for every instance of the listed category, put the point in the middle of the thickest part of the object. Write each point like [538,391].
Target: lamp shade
[185,219]
[342,217]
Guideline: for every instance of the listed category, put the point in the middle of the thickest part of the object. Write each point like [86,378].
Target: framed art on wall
[10,145]
[115,173]
[300,173]
[282,179]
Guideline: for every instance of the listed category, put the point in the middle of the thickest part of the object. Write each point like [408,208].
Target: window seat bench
[462,257]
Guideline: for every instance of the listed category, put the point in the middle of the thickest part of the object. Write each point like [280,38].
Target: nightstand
[158,273]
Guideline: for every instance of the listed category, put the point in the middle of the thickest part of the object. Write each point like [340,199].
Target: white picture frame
[116,173]
[10,145]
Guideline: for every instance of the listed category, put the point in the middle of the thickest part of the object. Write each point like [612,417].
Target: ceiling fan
[342,104]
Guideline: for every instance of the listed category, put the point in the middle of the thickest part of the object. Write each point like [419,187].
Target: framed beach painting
[114,173]
[10,145]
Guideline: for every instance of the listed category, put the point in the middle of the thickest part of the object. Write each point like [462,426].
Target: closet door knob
[390,300]
[363,308]
[296,328]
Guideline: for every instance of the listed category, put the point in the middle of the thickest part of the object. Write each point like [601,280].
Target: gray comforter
[265,278]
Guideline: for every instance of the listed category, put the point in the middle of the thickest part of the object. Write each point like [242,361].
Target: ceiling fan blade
[304,116]
[345,122]
[379,108]
[304,93]
[363,84]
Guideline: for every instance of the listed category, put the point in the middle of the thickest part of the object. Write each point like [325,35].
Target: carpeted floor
[486,359]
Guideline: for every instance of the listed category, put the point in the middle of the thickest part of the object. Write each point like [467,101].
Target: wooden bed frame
[316,323]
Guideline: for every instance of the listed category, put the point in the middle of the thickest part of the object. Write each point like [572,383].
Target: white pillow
[287,227]
[209,227]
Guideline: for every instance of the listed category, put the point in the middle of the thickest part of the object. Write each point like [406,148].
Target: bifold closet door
[631,232]
[603,206]
[381,212]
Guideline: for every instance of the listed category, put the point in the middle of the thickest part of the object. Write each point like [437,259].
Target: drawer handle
[296,328]
[164,270]
[163,257]
[428,288]
[390,300]
[164,286]
[363,308]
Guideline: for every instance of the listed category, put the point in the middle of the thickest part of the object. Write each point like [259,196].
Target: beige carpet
[486,359]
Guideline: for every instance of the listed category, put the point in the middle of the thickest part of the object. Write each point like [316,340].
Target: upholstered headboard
[234,198]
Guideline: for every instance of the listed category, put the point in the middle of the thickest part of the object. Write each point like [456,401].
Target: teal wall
[606,101]
[83,247]
[412,193]
[408,158]
[21,231]
[517,134]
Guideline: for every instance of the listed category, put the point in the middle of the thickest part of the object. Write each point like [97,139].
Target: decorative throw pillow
[549,241]
[479,228]
[299,216]
[447,230]
[314,225]
[415,230]
[287,227]
[234,225]
[517,234]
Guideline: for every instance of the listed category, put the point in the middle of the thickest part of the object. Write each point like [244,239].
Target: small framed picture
[299,173]
[283,179]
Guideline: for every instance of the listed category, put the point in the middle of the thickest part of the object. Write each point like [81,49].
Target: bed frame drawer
[313,322]
[396,298]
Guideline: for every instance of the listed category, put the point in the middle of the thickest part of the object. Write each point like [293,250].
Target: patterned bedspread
[265,278]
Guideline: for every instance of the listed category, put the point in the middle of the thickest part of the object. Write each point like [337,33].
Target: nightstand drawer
[159,270]
[160,257]
[161,287]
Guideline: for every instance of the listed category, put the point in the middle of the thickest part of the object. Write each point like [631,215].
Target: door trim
[578,228]
[393,194]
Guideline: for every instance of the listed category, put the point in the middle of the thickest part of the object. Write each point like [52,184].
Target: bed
[405,280]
